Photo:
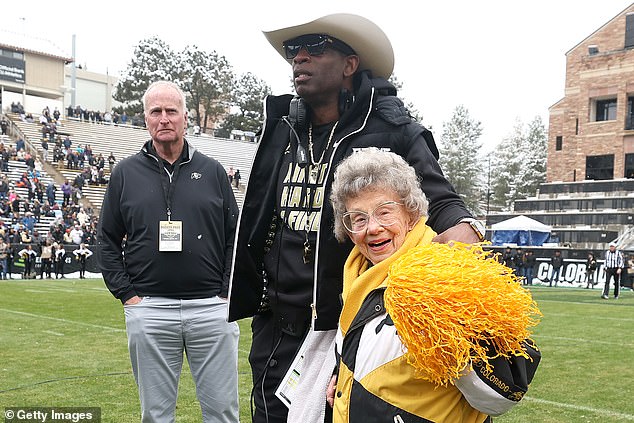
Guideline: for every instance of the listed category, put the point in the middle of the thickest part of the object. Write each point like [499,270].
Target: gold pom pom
[446,301]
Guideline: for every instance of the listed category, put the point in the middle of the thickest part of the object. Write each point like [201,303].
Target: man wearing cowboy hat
[287,266]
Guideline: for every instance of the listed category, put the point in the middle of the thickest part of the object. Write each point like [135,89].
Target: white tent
[520,230]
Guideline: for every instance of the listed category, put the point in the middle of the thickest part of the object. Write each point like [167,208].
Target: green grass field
[63,344]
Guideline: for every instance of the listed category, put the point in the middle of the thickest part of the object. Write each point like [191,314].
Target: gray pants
[159,331]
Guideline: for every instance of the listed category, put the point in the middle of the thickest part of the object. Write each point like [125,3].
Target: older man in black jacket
[166,235]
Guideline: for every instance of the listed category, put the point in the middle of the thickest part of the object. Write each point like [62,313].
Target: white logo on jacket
[196,175]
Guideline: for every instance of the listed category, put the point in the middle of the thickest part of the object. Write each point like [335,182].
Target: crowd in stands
[20,216]
[19,109]
[78,158]
[106,118]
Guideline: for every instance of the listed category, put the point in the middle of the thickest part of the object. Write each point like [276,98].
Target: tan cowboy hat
[364,36]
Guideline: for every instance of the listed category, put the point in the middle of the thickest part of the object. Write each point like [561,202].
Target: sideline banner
[71,265]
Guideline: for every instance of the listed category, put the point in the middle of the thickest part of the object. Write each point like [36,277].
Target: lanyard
[168,181]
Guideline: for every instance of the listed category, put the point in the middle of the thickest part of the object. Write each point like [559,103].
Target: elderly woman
[379,205]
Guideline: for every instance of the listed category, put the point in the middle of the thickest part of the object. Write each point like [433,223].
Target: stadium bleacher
[125,140]
[16,169]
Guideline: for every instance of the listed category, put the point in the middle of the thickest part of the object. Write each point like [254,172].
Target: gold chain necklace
[315,166]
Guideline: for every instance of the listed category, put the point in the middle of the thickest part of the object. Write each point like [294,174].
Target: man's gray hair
[170,84]
[374,169]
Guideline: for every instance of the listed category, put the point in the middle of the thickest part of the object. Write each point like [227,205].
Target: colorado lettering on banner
[12,70]
[573,271]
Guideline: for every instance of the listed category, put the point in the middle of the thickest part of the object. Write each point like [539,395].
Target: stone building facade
[591,129]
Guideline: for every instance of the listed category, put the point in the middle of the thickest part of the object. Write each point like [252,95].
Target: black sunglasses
[315,45]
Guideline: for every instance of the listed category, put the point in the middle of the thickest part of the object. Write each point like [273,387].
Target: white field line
[617,319]
[59,319]
[607,413]
[587,341]
[50,290]
[50,332]
[602,304]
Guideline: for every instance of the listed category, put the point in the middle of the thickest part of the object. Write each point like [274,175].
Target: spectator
[28,255]
[29,161]
[46,259]
[88,152]
[36,208]
[111,161]
[518,262]
[10,257]
[82,217]
[82,254]
[4,187]
[19,145]
[101,162]
[3,258]
[66,191]
[45,149]
[25,238]
[556,262]
[79,182]
[230,174]
[15,206]
[529,267]
[508,258]
[50,193]
[4,126]
[36,238]
[76,235]
[60,258]
[52,131]
[28,221]
[237,178]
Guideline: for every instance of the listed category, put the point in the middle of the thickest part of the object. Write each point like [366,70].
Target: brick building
[591,129]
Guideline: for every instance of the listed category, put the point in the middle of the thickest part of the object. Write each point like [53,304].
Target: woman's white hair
[374,169]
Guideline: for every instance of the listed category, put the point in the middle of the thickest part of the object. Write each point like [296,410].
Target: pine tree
[460,157]
[519,164]
[153,60]
[533,169]
[248,113]
[207,78]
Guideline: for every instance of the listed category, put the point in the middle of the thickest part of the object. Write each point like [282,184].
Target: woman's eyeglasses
[315,45]
[385,214]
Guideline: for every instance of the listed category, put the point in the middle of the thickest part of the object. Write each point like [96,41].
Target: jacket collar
[186,156]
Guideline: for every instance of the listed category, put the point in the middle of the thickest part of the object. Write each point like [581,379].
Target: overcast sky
[502,60]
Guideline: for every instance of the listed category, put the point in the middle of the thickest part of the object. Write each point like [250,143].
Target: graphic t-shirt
[300,196]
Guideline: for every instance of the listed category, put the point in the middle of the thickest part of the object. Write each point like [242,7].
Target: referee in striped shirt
[614,264]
